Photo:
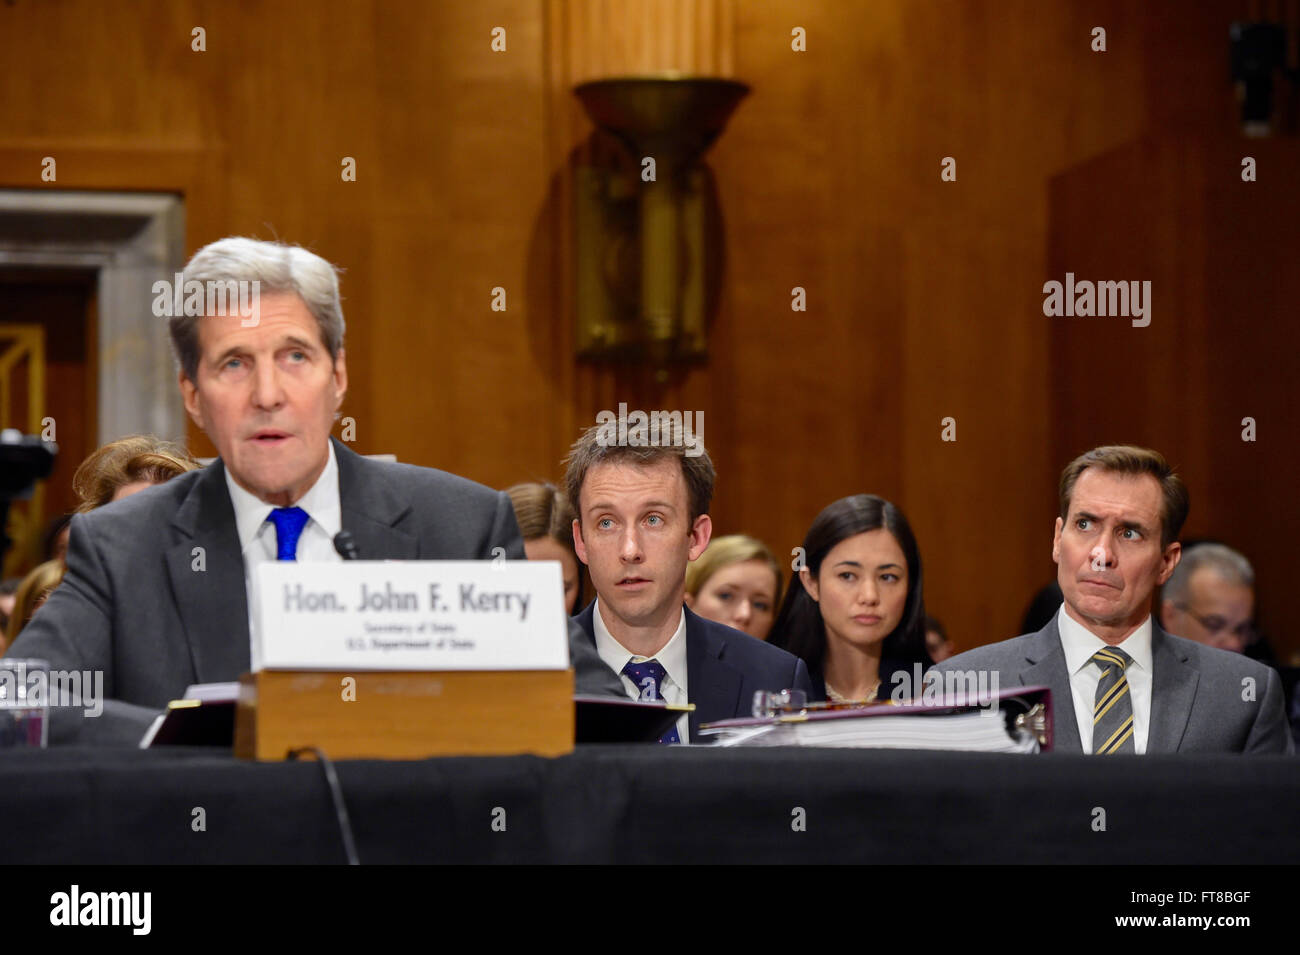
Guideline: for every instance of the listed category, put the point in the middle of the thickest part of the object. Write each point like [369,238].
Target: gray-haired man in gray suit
[156,591]
[1119,683]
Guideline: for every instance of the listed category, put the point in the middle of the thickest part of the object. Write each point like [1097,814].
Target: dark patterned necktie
[648,675]
[1112,714]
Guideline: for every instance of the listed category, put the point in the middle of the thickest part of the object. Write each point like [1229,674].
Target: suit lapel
[209,584]
[213,602]
[1046,667]
[1173,687]
[373,512]
[713,686]
[588,624]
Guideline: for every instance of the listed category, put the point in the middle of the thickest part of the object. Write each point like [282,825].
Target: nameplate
[410,615]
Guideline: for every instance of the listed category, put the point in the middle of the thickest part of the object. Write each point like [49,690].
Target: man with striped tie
[1121,684]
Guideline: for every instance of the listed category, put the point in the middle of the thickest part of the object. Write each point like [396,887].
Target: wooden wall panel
[842,145]
[1220,346]
[924,296]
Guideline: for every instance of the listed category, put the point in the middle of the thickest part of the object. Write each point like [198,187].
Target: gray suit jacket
[1196,693]
[134,606]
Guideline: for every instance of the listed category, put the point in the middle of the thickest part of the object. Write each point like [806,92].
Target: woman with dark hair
[859,615]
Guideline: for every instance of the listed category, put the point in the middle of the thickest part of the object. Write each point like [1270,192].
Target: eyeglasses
[1216,625]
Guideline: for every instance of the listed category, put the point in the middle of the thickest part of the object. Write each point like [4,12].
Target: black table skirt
[651,804]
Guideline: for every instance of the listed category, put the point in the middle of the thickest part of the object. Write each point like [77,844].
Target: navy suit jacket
[724,667]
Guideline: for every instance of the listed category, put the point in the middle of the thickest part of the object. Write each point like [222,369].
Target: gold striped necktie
[1112,714]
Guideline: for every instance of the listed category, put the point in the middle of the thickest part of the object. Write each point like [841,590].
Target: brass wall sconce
[643,263]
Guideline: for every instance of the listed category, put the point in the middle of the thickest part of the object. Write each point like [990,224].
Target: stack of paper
[1015,721]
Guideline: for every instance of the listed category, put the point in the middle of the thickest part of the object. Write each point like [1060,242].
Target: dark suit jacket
[138,604]
[724,667]
[1196,693]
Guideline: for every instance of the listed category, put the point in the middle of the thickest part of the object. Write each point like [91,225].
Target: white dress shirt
[257,538]
[1079,644]
[672,658]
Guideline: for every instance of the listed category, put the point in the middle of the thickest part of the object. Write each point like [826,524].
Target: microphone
[346,546]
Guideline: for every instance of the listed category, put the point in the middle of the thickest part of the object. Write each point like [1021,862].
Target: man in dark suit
[156,594]
[1120,683]
[642,516]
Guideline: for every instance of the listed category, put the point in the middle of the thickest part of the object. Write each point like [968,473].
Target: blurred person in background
[126,466]
[8,591]
[546,522]
[736,581]
[30,595]
[1210,598]
[937,643]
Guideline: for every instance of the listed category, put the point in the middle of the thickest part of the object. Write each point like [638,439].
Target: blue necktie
[289,522]
[649,675]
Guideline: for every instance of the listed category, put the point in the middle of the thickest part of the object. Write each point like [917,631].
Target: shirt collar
[672,657]
[1080,643]
[321,502]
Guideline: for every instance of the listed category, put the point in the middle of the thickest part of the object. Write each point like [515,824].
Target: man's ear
[810,584]
[701,531]
[340,378]
[190,395]
[579,545]
[1056,541]
[1172,555]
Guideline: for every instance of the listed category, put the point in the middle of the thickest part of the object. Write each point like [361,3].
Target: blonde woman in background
[29,596]
[737,582]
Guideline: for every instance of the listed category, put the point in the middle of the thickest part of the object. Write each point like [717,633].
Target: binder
[1017,720]
[606,719]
